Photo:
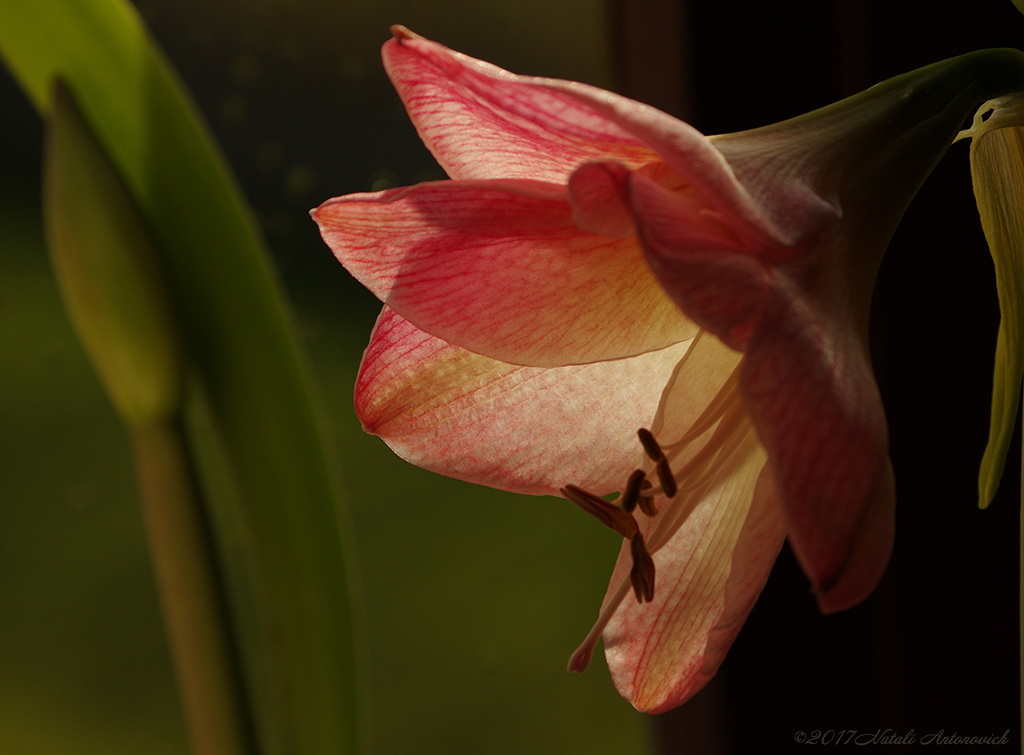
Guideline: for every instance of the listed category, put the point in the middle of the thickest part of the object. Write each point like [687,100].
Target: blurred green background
[473,599]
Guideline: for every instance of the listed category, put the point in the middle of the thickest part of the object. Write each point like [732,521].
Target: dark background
[935,648]
[296,96]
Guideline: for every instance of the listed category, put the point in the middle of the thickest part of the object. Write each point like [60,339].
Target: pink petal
[811,392]
[525,429]
[708,272]
[600,203]
[767,229]
[480,121]
[708,577]
[500,269]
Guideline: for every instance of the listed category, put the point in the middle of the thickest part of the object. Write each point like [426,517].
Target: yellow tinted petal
[997,169]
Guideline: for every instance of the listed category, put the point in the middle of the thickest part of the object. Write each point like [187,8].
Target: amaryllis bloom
[603,300]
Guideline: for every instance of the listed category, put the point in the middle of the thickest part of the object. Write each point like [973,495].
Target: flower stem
[191,593]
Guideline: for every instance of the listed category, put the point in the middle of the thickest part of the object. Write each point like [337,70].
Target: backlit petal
[500,269]
[600,202]
[525,429]
[481,121]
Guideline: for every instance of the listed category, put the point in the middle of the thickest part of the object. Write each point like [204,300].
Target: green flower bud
[107,269]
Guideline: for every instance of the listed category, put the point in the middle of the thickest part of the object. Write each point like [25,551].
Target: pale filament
[711,414]
[724,402]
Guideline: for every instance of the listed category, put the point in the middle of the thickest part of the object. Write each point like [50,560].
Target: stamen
[701,475]
[609,515]
[650,445]
[665,477]
[631,495]
[646,503]
[641,576]
[694,471]
[732,434]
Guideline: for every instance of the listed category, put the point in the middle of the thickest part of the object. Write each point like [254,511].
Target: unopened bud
[107,269]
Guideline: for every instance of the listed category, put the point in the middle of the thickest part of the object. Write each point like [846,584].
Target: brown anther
[641,576]
[646,504]
[651,447]
[666,478]
[609,514]
[631,494]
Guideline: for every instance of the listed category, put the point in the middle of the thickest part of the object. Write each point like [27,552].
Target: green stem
[191,593]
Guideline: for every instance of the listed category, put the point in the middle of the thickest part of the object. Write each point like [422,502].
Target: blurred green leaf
[278,507]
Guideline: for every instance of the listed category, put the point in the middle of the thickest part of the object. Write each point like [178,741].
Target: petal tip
[400,32]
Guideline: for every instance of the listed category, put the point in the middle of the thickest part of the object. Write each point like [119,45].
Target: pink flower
[596,267]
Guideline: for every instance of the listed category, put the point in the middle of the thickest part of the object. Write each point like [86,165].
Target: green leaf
[997,169]
[264,444]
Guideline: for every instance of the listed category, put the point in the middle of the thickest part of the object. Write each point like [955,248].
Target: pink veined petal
[703,268]
[814,400]
[773,169]
[868,553]
[481,121]
[525,429]
[699,165]
[500,269]
[600,203]
[708,577]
